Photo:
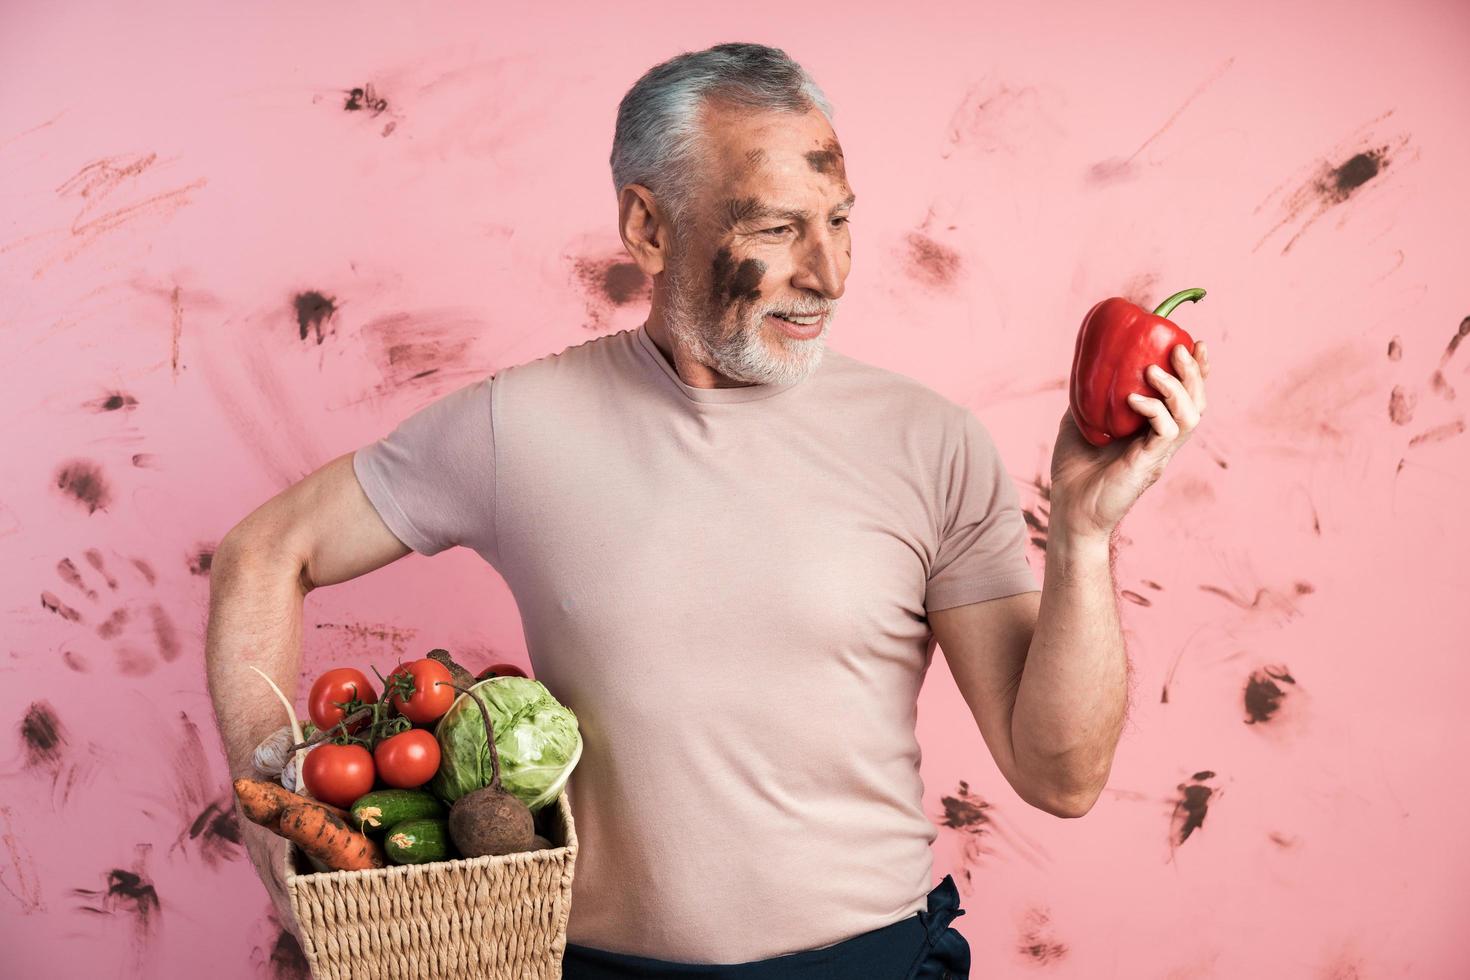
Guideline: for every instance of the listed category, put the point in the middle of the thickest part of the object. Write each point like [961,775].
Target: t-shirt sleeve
[982,544]
[432,479]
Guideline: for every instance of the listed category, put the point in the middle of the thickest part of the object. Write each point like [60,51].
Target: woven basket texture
[500,918]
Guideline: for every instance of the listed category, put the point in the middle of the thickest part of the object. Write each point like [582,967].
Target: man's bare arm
[319,531]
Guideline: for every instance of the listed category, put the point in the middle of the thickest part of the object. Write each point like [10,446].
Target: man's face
[767,233]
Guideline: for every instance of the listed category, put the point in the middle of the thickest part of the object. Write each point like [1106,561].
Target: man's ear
[644,229]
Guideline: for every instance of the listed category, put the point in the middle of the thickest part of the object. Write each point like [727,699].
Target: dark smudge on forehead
[733,283]
[827,160]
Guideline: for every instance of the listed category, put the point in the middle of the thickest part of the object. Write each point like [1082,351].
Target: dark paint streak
[201,560]
[411,346]
[1454,344]
[1034,945]
[165,633]
[94,558]
[1263,695]
[21,880]
[1396,349]
[113,624]
[1440,432]
[216,832]
[1106,171]
[931,263]
[131,893]
[732,284]
[610,283]
[145,460]
[1330,186]
[1135,598]
[146,570]
[112,402]
[828,160]
[359,99]
[51,602]
[1401,405]
[68,572]
[1191,808]
[82,480]
[288,962]
[312,310]
[43,736]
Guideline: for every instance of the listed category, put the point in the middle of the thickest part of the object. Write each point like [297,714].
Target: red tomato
[501,670]
[430,699]
[337,686]
[408,759]
[338,774]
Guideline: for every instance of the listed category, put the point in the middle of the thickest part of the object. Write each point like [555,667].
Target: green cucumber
[379,810]
[418,841]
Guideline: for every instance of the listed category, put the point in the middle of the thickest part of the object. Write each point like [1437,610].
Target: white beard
[748,356]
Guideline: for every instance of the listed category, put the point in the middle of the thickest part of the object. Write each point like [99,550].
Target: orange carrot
[326,837]
[263,802]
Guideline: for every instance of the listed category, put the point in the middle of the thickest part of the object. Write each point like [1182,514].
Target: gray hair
[659,142]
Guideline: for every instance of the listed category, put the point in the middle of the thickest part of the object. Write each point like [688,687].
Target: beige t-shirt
[729,588]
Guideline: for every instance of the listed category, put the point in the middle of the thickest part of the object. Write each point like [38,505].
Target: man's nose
[819,267]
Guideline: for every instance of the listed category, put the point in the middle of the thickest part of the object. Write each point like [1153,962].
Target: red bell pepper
[1117,343]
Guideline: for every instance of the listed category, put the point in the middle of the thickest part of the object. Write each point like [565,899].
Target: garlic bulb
[271,755]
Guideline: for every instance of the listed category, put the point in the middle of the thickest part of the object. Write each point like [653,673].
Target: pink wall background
[215,278]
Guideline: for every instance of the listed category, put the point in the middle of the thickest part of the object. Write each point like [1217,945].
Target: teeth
[805,321]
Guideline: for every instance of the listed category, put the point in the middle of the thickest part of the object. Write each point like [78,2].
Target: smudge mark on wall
[200,561]
[82,481]
[129,893]
[18,873]
[360,640]
[408,347]
[312,310]
[1264,693]
[609,283]
[365,99]
[929,262]
[1343,176]
[1191,807]
[1115,169]
[1036,943]
[993,116]
[111,402]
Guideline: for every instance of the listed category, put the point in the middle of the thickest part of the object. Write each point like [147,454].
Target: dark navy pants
[922,947]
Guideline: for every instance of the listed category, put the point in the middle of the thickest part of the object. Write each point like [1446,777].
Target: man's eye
[843,220]
[772,231]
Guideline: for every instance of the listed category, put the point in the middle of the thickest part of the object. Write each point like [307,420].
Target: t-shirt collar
[743,393]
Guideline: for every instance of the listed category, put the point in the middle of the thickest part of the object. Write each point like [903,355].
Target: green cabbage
[535,734]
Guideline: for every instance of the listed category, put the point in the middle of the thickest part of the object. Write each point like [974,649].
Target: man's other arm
[320,531]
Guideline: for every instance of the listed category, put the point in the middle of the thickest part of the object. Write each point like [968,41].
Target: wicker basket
[503,918]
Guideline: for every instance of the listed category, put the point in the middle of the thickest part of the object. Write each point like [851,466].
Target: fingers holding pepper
[1182,401]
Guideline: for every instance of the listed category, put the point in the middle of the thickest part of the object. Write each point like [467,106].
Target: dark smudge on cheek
[734,283]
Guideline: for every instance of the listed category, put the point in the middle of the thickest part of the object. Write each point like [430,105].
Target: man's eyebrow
[744,210]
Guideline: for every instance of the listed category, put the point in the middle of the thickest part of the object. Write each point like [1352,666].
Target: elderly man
[734,552]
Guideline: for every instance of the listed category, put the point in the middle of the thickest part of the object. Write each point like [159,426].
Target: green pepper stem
[1167,306]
